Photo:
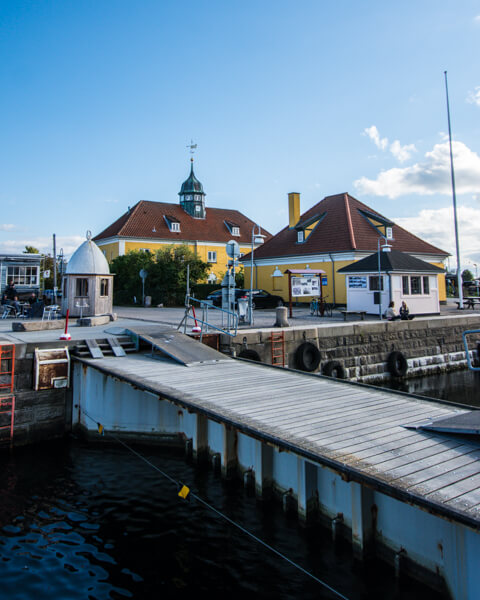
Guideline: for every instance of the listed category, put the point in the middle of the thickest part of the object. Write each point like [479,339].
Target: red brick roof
[141,220]
[343,228]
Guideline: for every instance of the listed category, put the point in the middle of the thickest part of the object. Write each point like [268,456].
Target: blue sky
[100,99]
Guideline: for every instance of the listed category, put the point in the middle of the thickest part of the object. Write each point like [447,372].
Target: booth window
[426,285]
[82,287]
[416,285]
[103,287]
[406,285]
[373,283]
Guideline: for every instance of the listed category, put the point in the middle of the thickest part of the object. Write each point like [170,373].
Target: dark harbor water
[82,522]
[459,386]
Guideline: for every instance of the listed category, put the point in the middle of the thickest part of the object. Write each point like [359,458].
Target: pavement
[131,316]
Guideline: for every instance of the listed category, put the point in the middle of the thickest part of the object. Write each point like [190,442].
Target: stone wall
[429,344]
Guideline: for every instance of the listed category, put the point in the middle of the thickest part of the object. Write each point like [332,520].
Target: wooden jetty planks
[357,425]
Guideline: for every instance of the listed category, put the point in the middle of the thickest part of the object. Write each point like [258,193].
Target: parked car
[263,299]
[216,297]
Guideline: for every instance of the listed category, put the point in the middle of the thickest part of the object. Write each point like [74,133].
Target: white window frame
[236,231]
[175,226]
[300,236]
[23,274]
[212,256]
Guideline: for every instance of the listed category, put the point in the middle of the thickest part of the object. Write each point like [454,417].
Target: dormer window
[232,228]
[172,223]
[300,236]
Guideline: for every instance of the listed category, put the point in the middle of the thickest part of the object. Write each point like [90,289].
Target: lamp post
[256,237]
[385,248]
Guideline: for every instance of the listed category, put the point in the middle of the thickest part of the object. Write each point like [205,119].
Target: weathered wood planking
[360,427]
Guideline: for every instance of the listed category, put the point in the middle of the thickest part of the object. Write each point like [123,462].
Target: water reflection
[87,523]
[459,386]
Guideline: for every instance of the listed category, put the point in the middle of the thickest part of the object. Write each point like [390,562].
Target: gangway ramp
[178,346]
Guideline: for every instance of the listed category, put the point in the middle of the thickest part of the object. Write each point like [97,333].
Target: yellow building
[148,226]
[334,233]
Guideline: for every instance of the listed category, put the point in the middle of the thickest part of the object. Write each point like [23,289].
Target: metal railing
[467,351]
[229,328]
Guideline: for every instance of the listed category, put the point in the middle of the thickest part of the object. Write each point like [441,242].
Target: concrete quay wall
[429,345]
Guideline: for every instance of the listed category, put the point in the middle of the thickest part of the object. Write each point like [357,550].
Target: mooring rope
[185,491]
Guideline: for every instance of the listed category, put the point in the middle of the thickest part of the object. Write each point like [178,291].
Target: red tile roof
[145,216]
[343,229]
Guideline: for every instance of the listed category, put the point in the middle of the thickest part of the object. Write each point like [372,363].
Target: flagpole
[459,272]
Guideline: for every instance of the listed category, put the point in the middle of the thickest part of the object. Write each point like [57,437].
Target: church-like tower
[192,196]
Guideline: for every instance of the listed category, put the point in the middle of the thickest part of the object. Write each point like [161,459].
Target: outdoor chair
[51,312]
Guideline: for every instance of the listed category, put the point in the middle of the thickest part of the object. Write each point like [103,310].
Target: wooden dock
[354,454]
[357,430]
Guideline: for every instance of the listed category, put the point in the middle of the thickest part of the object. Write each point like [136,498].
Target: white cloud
[474,97]
[432,176]
[401,153]
[7,227]
[436,227]
[44,244]
[374,135]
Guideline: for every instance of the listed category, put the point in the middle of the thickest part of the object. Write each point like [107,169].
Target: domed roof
[88,259]
[191,185]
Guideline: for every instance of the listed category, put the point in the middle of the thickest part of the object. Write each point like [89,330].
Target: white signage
[357,282]
[46,274]
[306,286]
[388,233]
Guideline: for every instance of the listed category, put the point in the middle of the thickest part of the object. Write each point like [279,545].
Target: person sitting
[405,313]
[10,296]
[390,312]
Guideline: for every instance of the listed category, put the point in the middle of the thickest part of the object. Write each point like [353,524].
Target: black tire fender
[250,354]
[334,369]
[307,357]
[397,364]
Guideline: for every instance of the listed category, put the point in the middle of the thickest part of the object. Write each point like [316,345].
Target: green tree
[467,275]
[31,250]
[127,282]
[169,277]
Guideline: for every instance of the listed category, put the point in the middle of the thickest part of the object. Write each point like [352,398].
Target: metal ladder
[278,348]
[7,398]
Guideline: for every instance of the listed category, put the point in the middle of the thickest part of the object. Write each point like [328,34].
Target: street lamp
[385,248]
[258,238]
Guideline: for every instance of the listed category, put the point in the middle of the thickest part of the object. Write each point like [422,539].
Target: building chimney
[293,208]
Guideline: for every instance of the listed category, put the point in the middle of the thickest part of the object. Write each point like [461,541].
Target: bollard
[281,316]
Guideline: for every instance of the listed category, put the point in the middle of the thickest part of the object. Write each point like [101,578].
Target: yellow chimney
[293,208]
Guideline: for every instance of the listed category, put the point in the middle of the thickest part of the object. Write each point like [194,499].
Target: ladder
[278,348]
[7,398]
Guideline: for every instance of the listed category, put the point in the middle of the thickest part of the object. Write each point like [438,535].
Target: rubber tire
[334,369]
[307,357]
[397,364]
[250,355]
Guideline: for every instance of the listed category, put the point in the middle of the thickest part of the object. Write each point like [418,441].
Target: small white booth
[88,283]
[401,277]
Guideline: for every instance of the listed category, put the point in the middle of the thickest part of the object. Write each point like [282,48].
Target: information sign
[306,286]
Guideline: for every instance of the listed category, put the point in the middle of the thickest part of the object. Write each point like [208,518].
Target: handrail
[205,306]
[467,351]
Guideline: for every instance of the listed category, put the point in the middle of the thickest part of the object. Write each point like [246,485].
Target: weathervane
[192,147]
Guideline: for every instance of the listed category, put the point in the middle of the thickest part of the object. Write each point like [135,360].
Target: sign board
[388,233]
[324,280]
[233,249]
[143,274]
[306,286]
[46,273]
[357,282]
